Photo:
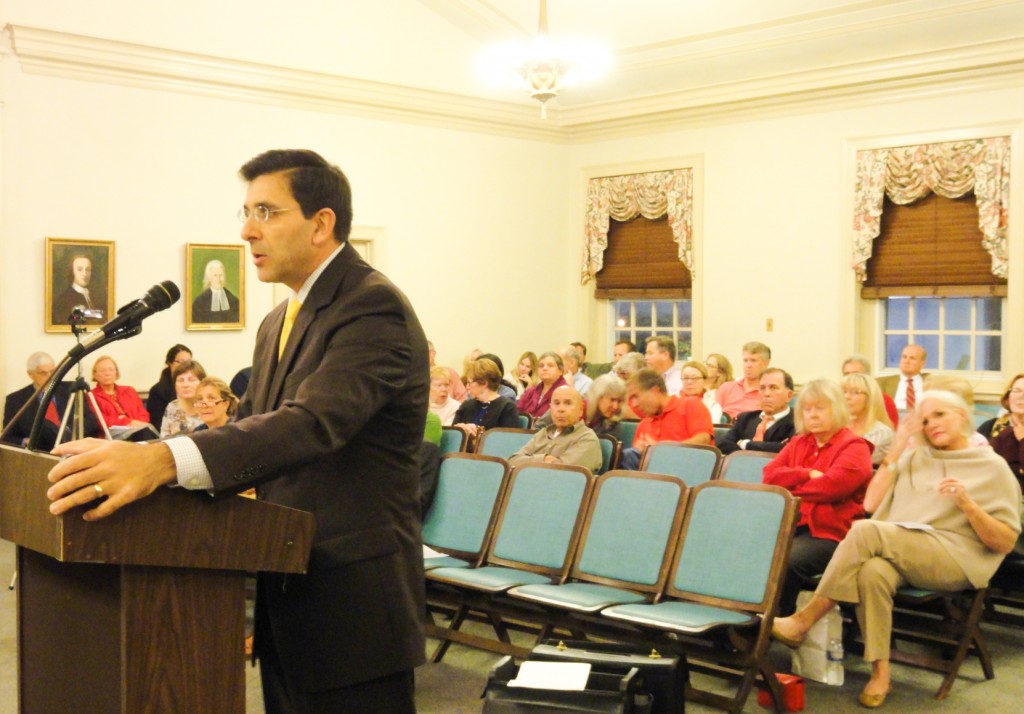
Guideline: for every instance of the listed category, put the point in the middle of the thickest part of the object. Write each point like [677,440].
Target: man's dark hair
[581,348]
[786,377]
[628,343]
[314,183]
[647,379]
[664,344]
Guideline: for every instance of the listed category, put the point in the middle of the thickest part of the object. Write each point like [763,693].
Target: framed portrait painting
[214,287]
[79,283]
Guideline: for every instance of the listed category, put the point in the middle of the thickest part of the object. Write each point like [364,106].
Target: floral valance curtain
[909,173]
[651,195]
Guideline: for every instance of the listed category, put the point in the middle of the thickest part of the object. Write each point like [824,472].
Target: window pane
[663,313]
[956,353]
[988,353]
[684,348]
[642,310]
[897,310]
[623,335]
[931,344]
[641,339]
[622,314]
[958,314]
[990,313]
[926,313]
[684,313]
[894,345]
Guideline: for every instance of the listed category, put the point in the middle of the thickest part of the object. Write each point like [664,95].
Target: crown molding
[958,69]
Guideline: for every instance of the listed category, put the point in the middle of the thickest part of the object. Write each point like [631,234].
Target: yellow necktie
[289,322]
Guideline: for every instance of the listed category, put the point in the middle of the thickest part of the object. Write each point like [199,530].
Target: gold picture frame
[204,310]
[79,274]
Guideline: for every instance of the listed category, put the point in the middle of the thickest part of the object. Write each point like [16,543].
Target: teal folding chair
[460,519]
[525,421]
[535,536]
[745,466]
[627,432]
[694,464]
[453,440]
[503,442]
[611,448]
[724,589]
[629,535]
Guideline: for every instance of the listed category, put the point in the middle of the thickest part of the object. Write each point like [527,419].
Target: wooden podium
[142,611]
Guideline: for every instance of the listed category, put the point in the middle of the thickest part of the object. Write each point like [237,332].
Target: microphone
[157,298]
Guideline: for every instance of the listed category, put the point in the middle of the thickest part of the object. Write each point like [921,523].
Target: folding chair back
[734,544]
[692,463]
[627,432]
[745,466]
[503,442]
[540,518]
[721,430]
[469,489]
[525,421]
[610,450]
[630,530]
[453,440]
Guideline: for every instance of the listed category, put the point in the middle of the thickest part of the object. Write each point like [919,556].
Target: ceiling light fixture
[544,67]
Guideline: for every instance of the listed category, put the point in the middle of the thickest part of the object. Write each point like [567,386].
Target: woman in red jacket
[828,467]
[120,406]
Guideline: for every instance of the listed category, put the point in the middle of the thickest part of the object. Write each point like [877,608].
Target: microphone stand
[73,357]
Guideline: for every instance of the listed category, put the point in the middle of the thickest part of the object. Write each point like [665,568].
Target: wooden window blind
[642,261]
[931,247]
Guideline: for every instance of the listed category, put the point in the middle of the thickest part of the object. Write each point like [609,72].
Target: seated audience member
[769,428]
[440,402]
[1006,433]
[868,418]
[622,347]
[118,405]
[858,364]
[591,369]
[661,357]
[604,405]
[505,389]
[457,390]
[181,416]
[626,366]
[485,408]
[17,428]
[162,393]
[969,498]
[666,418]
[536,400]
[906,387]
[963,389]
[828,467]
[694,376]
[215,403]
[240,382]
[567,440]
[571,360]
[525,374]
[719,372]
[742,395]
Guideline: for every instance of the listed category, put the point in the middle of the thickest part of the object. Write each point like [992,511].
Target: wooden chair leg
[442,648]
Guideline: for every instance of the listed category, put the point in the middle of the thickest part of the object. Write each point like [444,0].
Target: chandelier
[543,67]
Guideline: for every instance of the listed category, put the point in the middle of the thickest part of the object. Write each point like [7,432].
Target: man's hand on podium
[117,472]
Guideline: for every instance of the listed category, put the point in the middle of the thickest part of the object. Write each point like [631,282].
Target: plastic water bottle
[834,668]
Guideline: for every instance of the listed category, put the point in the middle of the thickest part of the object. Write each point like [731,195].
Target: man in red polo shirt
[665,418]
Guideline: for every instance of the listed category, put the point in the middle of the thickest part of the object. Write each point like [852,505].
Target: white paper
[429,552]
[552,675]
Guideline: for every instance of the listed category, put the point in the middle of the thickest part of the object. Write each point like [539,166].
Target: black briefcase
[606,693]
[663,678]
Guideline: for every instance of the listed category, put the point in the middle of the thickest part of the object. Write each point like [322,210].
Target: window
[636,320]
[959,333]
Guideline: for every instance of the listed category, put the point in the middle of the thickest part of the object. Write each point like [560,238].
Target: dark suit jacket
[335,429]
[23,426]
[201,311]
[745,426]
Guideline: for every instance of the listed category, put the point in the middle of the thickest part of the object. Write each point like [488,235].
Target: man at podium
[330,424]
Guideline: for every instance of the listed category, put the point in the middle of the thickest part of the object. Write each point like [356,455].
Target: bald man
[567,440]
[909,380]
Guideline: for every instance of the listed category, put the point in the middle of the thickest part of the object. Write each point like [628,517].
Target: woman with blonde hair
[181,416]
[604,400]
[828,467]
[868,417]
[441,401]
[118,404]
[524,374]
[695,379]
[215,403]
[719,372]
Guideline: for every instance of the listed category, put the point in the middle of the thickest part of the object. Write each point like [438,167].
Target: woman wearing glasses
[214,403]
[868,417]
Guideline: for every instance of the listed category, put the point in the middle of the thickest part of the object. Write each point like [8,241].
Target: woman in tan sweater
[944,515]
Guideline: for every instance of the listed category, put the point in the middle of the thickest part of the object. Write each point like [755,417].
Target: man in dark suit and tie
[331,423]
[769,428]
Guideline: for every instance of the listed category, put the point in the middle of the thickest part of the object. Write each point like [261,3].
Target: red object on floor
[792,693]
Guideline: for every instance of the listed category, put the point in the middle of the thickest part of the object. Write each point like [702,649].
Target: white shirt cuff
[192,471]
[742,443]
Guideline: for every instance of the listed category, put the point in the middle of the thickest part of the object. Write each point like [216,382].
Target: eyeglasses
[1017,392]
[261,213]
[204,403]
[692,379]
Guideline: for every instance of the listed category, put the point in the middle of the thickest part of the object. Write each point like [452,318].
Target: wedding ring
[99,489]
